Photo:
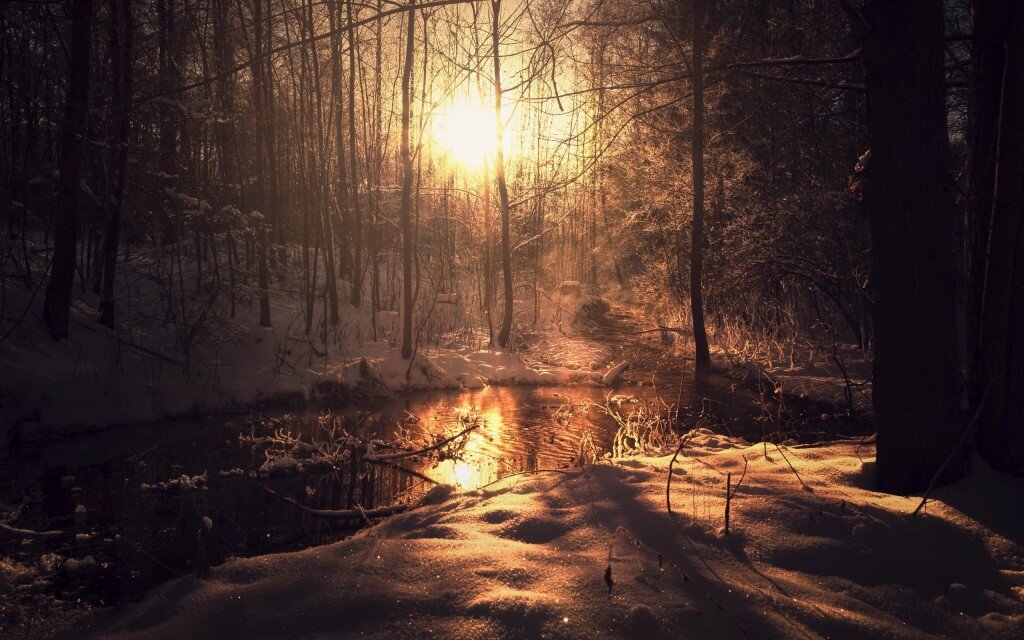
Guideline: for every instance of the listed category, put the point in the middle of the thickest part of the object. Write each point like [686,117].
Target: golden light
[476,465]
[465,131]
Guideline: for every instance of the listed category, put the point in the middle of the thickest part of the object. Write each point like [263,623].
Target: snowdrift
[592,553]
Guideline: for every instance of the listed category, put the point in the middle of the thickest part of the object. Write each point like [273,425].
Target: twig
[742,475]
[959,443]
[728,499]
[730,491]
[668,484]
[799,479]
[524,473]
[137,347]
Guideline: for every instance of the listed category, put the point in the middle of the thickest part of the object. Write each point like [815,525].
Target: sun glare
[465,131]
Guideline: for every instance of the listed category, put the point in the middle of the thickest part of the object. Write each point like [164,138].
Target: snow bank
[138,372]
[593,554]
[821,381]
[614,374]
[453,369]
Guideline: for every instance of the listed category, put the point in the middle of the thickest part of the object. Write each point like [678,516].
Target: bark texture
[910,204]
[57,306]
[1001,337]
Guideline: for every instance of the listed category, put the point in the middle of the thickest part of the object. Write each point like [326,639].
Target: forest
[511,318]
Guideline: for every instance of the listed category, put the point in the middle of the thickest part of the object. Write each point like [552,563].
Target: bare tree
[504,334]
[121,34]
[702,359]
[1001,340]
[57,306]
[405,212]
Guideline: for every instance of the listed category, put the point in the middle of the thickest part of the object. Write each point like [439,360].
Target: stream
[141,504]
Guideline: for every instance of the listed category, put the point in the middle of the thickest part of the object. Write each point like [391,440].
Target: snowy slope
[138,372]
[527,558]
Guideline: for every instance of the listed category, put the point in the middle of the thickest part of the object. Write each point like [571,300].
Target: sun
[465,131]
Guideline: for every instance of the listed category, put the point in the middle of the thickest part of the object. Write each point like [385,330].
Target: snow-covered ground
[812,552]
[815,374]
[141,372]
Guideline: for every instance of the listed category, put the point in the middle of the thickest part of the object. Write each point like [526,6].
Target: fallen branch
[340,514]
[412,472]
[29,532]
[660,328]
[523,473]
[137,347]
[408,454]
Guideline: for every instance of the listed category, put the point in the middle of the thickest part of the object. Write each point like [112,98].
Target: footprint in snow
[534,530]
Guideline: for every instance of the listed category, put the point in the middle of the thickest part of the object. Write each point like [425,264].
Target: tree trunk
[702,356]
[357,216]
[488,269]
[912,218]
[404,215]
[505,333]
[168,160]
[1001,341]
[263,242]
[57,307]
[344,257]
[990,27]
[121,79]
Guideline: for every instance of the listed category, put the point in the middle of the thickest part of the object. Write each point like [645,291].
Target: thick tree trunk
[910,206]
[121,79]
[1001,342]
[405,211]
[702,356]
[57,306]
[505,333]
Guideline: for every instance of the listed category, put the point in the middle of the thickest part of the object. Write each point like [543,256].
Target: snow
[464,368]
[527,557]
[277,466]
[138,372]
[820,378]
[614,374]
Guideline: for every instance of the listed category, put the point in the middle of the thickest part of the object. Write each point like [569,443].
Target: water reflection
[144,536]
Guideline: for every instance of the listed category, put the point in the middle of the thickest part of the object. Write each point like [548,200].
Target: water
[142,504]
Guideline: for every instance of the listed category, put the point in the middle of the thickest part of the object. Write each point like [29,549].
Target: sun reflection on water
[478,461]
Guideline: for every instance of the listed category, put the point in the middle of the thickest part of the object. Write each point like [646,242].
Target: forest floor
[811,551]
